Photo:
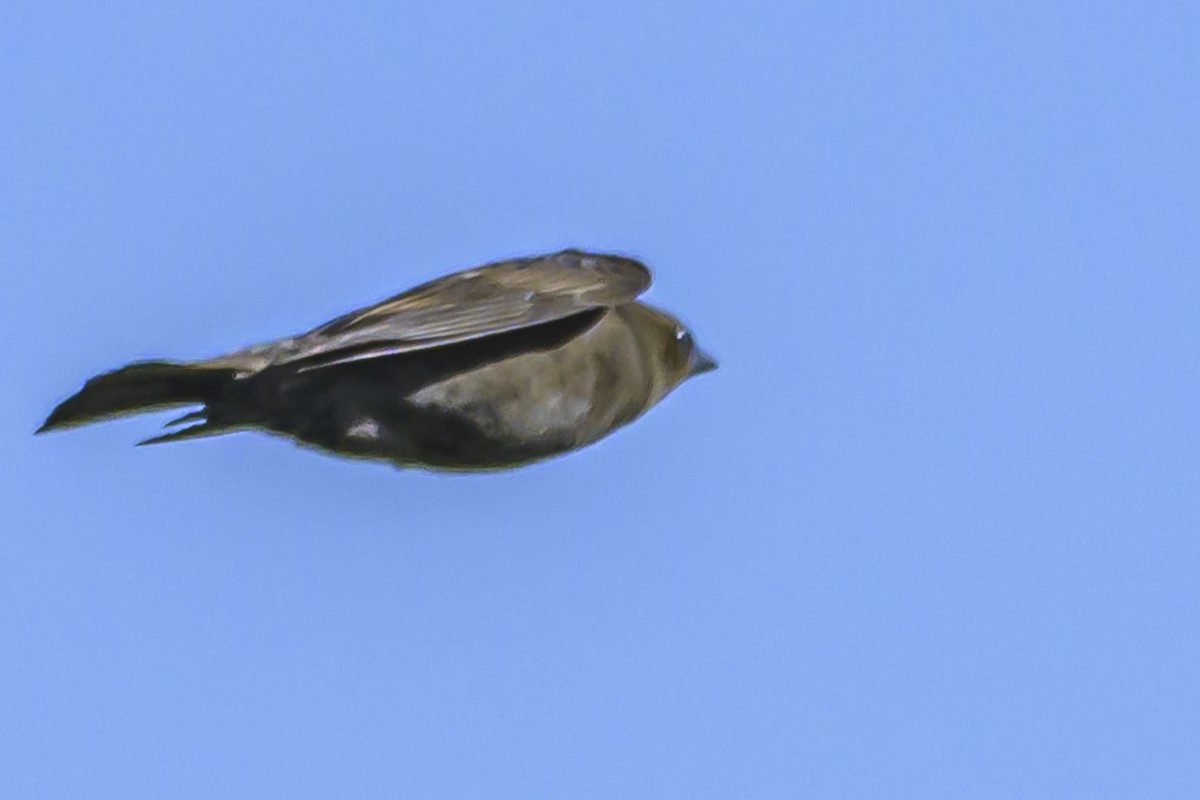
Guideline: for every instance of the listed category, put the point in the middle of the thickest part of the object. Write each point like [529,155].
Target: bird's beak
[702,362]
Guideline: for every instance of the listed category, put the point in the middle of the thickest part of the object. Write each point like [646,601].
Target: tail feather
[190,432]
[191,416]
[143,386]
[207,427]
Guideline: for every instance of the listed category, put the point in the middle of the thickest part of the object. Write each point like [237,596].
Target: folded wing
[495,298]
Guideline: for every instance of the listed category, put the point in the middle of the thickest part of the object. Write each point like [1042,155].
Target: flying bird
[488,368]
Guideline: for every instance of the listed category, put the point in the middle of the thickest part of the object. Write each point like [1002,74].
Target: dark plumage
[486,368]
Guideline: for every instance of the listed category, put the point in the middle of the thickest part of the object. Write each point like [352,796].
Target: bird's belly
[480,420]
[470,421]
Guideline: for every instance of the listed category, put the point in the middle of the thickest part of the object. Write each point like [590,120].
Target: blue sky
[933,529]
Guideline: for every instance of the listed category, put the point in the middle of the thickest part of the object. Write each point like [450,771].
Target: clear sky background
[932,530]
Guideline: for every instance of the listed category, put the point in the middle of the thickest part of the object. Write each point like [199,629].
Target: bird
[485,369]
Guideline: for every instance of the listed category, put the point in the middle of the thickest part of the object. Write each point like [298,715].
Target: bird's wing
[498,297]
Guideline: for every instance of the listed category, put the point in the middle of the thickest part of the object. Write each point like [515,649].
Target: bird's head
[676,355]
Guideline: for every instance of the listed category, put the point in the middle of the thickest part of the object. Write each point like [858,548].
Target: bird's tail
[142,386]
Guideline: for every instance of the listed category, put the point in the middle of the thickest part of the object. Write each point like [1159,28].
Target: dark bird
[487,368]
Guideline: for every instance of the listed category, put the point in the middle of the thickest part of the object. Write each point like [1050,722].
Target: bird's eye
[681,353]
